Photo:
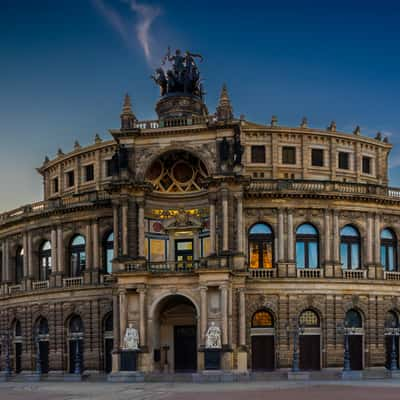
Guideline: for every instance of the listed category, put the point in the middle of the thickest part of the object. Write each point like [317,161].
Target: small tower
[128,118]
[224,108]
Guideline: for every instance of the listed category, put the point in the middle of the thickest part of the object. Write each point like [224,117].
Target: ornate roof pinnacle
[332,127]
[128,118]
[97,139]
[274,121]
[304,123]
[77,145]
[357,131]
[224,108]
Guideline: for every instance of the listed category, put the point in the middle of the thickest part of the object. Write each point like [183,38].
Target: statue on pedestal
[213,337]
[131,338]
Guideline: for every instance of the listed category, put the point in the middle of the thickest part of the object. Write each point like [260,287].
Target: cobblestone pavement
[364,390]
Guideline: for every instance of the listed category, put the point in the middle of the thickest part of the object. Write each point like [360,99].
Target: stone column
[327,236]
[60,251]
[369,249]
[213,239]
[125,229]
[143,319]
[30,256]
[290,240]
[53,241]
[377,239]
[224,313]
[239,239]
[4,254]
[96,245]
[203,314]
[25,258]
[225,221]
[242,317]
[123,313]
[336,237]
[281,236]
[140,204]
[116,229]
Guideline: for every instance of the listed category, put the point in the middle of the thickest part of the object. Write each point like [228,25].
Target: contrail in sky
[146,15]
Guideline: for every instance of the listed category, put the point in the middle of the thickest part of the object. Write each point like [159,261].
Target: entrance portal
[310,350]
[263,353]
[356,350]
[175,335]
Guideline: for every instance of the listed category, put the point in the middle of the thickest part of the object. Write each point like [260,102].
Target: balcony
[73,282]
[262,273]
[50,205]
[391,275]
[265,186]
[355,274]
[40,285]
[310,273]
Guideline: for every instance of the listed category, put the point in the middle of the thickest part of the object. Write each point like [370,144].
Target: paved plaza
[361,390]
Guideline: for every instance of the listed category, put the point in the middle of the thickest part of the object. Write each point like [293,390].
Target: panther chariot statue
[182,76]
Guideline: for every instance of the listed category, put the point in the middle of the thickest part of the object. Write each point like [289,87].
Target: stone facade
[200,182]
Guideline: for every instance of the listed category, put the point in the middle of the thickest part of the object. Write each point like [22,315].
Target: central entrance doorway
[262,341]
[175,335]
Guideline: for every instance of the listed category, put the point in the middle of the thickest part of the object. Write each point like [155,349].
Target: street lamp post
[77,366]
[346,331]
[297,329]
[392,330]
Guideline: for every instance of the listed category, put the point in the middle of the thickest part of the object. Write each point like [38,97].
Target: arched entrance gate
[175,335]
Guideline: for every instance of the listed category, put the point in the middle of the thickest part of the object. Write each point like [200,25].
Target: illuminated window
[205,246]
[309,318]
[157,250]
[262,319]
[260,246]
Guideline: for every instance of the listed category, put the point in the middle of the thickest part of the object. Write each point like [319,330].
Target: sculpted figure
[131,338]
[213,337]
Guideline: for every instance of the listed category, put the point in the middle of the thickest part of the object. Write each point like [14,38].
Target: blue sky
[66,64]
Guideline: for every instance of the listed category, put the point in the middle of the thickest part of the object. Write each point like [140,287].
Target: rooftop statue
[183,76]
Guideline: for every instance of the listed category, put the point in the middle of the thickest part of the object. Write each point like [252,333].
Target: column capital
[140,201]
[203,288]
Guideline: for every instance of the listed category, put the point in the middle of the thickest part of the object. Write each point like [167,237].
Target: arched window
[108,323]
[392,320]
[45,261]
[388,250]
[75,326]
[77,256]
[309,319]
[42,327]
[353,319]
[350,256]
[261,241]
[262,319]
[108,252]
[307,247]
[19,265]
[17,329]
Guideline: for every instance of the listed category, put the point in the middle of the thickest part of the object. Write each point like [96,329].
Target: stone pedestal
[212,359]
[298,376]
[129,360]
[242,361]
[350,375]
[282,270]
[291,270]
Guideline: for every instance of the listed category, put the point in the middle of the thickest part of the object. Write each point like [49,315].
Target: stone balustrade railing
[73,282]
[40,285]
[42,206]
[170,122]
[322,187]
